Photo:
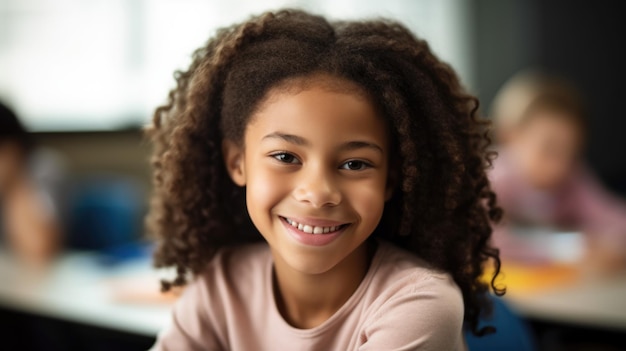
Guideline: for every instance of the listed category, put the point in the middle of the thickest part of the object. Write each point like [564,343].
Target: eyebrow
[290,138]
[349,146]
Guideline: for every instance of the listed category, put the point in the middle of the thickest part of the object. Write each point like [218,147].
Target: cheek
[264,190]
[368,200]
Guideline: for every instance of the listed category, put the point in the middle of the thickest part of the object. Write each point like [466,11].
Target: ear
[233,158]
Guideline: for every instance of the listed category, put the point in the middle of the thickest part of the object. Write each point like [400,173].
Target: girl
[356,155]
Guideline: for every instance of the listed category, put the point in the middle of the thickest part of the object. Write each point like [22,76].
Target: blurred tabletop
[563,293]
[79,287]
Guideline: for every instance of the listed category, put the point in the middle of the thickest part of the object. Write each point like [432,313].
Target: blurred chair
[104,213]
[512,333]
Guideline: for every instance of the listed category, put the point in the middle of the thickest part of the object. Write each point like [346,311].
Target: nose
[318,188]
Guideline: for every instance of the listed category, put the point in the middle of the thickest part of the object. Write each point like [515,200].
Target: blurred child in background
[539,175]
[28,219]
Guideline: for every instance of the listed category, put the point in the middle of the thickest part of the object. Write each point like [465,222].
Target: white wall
[105,64]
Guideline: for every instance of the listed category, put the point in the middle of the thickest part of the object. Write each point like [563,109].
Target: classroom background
[85,75]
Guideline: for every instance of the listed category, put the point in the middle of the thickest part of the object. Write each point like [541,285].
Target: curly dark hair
[443,207]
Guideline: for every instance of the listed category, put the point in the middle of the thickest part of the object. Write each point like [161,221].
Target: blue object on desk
[512,333]
[126,252]
[104,212]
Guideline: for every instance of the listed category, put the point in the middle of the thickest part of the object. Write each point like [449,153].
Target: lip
[313,239]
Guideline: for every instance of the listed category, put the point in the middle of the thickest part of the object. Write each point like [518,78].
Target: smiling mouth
[309,229]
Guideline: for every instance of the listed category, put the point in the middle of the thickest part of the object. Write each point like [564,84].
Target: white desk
[599,302]
[75,289]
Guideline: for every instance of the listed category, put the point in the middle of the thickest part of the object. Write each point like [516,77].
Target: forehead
[316,81]
[322,104]
[552,120]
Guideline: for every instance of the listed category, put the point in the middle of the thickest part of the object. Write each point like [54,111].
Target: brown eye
[355,165]
[285,157]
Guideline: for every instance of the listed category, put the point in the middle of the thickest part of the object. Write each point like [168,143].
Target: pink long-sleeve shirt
[401,304]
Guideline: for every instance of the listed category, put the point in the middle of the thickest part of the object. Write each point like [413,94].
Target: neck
[308,300]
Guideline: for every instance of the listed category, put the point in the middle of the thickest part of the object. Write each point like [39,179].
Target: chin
[310,263]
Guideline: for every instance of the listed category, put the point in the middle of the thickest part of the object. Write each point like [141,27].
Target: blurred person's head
[517,93]
[511,101]
[549,138]
[15,145]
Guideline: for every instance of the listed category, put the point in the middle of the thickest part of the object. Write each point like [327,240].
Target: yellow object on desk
[524,279]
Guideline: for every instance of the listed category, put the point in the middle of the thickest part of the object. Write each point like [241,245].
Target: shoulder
[213,297]
[230,271]
[401,272]
[235,265]
[238,257]
[413,304]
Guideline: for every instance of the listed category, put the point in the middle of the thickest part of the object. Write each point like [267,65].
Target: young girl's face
[315,167]
[546,148]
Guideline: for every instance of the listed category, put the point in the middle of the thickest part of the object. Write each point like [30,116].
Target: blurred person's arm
[31,227]
[603,218]
[505,184]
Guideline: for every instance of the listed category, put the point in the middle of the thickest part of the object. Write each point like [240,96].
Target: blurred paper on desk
[140,290]
[555,246]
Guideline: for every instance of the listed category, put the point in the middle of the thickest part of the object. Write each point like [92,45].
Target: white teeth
[312,229]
